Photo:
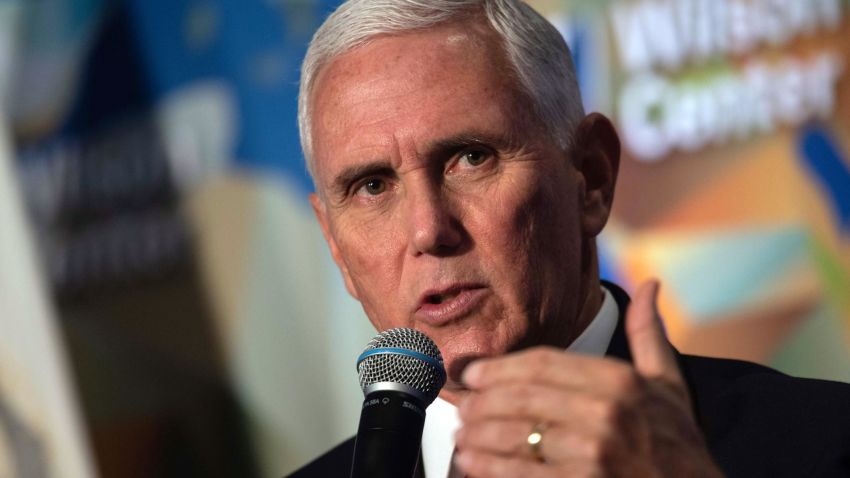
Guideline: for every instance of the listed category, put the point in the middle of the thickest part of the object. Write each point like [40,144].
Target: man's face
[445,204]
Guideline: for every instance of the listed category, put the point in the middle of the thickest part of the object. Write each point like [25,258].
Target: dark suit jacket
[757,422]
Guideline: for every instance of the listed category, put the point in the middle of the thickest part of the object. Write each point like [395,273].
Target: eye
[474,157]
[372,187]
[474,160]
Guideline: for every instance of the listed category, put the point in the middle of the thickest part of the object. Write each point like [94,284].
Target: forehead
[411,87]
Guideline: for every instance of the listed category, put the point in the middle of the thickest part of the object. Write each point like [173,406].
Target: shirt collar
[441,420]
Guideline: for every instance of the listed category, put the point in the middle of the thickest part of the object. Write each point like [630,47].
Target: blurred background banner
[168,306]
[735,180]
[40,424]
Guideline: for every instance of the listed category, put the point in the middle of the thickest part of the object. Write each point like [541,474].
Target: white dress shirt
[441,421]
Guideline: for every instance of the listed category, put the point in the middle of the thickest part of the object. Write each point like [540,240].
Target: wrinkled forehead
[390,50]
[409,79]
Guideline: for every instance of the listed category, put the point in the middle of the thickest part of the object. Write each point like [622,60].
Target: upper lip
[451,289]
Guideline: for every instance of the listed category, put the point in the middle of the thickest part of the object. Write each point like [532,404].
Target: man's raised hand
[600,416]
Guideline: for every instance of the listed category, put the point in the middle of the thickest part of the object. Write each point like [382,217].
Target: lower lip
[453,309]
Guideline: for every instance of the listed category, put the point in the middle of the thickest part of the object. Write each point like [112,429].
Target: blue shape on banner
[822,154]
[112,83]
[256,47]
[608,270]
[579,45]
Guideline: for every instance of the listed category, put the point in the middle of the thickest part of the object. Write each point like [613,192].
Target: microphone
[401,372]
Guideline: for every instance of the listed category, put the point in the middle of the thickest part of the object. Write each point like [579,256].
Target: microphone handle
[389,436]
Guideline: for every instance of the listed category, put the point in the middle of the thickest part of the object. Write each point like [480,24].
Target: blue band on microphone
[399,351]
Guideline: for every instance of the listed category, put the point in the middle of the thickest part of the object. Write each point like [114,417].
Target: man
[460,188]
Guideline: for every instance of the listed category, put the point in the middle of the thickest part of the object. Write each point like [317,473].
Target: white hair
[535,50]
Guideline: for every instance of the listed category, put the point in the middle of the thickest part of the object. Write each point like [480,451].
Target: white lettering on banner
[668,33]
[658,115]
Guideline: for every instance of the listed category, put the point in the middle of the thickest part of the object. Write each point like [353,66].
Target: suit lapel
[619,346]
[419,472]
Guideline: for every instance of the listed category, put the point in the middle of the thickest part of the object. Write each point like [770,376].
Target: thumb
[651,352]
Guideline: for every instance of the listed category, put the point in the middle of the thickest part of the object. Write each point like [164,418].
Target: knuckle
[617,416]
[513,467]
[608,411]
[519,391]
[518,448]
[592,471]
[482,369]
[487,436]
[594,450]
[521,400]
[483,464]
[473,406]
[475,463]
[468,435]
[539,359]
[626,381]
[479,438]
[599,450]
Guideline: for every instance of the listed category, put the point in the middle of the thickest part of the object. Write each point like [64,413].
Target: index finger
[550,366]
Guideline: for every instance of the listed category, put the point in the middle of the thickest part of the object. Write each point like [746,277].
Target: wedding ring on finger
[535,442]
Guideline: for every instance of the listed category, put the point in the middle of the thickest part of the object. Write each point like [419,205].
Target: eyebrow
[448,146]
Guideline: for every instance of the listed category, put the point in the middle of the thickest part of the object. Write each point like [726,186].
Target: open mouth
[437,299]
[451,303]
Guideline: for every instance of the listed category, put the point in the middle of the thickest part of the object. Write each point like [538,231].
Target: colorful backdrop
[182,312]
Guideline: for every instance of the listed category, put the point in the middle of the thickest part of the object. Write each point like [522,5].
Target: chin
[465,349]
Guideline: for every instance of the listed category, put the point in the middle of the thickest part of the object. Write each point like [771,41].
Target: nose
[434,228]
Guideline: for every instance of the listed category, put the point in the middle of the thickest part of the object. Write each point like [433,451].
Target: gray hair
[534,48]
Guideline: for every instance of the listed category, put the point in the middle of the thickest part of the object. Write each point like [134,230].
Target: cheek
[507,231]
[534,220]
[372,257]
[535,230]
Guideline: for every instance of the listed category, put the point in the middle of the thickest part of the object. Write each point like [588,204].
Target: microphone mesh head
[425,375]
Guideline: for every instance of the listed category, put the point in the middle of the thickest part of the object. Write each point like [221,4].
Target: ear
[597,159]
[322,216]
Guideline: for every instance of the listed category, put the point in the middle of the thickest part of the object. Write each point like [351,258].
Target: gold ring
[535,441]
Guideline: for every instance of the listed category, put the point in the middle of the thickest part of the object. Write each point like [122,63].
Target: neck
[589,308]
[588,301]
